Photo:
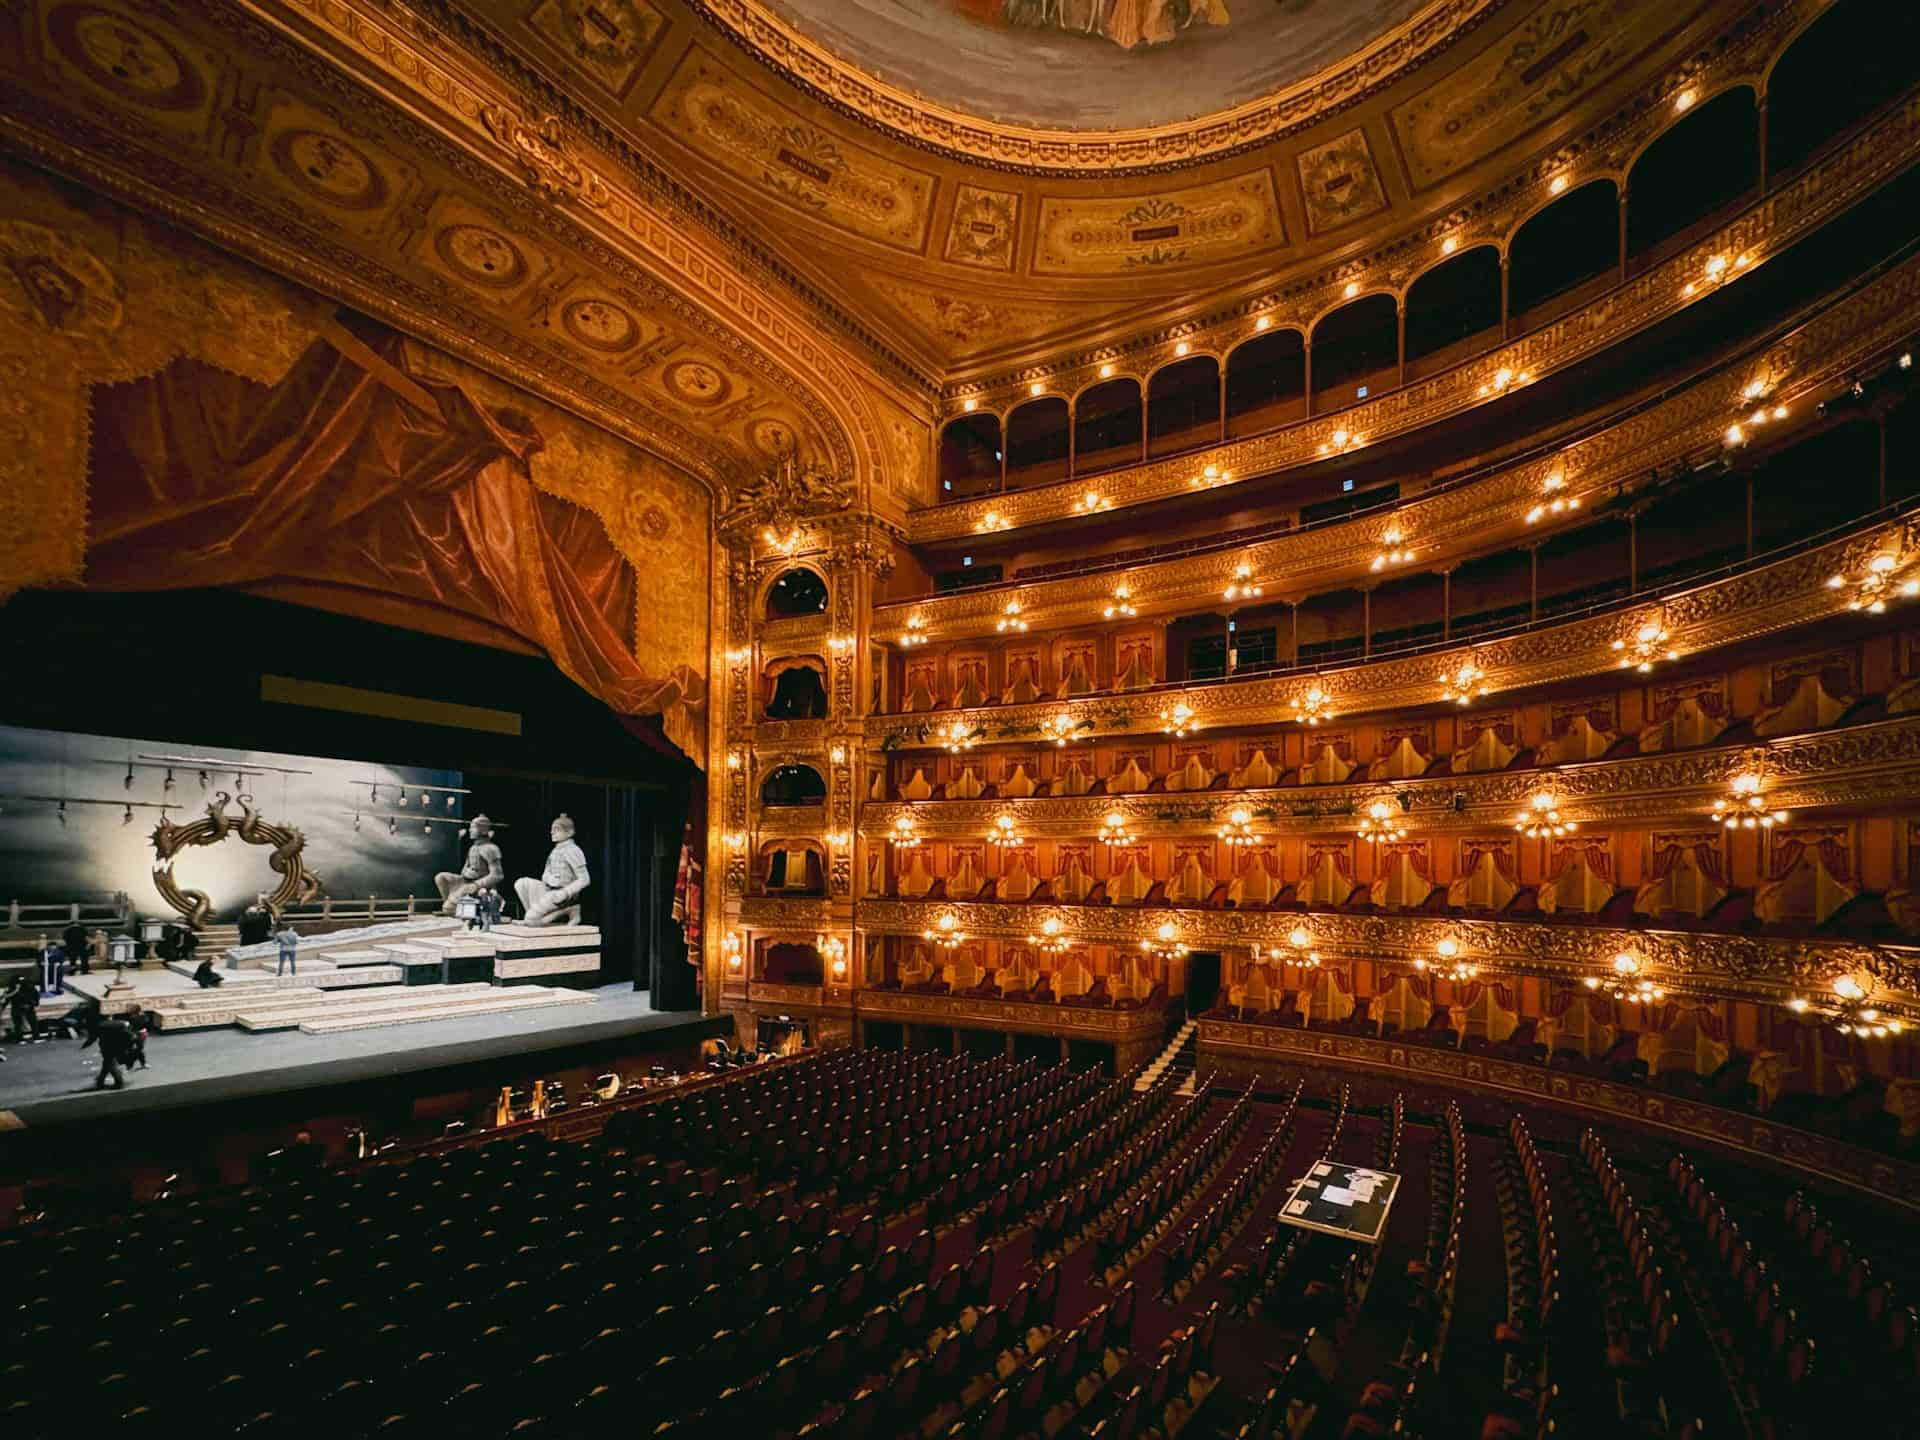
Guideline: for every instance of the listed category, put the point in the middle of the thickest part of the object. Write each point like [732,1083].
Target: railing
[115,910]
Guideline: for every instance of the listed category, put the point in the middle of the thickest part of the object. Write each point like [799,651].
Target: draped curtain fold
[1706,858]
[384,494]
[1830,845]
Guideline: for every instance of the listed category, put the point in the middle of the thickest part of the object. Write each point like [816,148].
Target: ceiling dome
[1097,84]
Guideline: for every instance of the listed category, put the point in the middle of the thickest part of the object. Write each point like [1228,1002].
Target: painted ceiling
[1093,64]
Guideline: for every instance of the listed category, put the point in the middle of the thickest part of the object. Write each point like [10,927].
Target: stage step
[271,1014]
[311,972]
[524,997]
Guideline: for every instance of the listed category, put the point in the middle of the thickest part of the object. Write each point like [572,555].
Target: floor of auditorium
[51,1081]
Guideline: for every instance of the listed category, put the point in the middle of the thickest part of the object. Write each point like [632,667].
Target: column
[1533,582]
[1633,550]
[1446,603]
[1506,270]
[1306,350]
[1400,312]
[1143,421]
[1073,437]
[1623,229]
[1366,621]
[1223,400]
[1295,657]
[1004,452]
[1760,104]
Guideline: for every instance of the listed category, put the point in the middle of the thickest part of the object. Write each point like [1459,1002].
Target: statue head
[561,829]
[479,828]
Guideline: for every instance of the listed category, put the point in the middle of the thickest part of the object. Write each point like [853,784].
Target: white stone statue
[551,899]
[483,870]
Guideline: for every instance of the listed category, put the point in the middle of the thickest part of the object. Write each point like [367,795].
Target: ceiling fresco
[1093,64]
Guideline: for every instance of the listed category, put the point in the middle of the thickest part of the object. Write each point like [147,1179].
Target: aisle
[1474,1368]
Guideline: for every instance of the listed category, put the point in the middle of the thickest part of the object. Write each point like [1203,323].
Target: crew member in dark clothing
[75,936]
[23,1002]
[116,1048]
[256,922]
[206,977]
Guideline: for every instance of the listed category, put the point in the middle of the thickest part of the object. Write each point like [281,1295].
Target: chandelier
[945,932]
[1626,983]
[1211,476]
[1747,807]
[1239,828]
[1849,1013]
[1241,587]
[1464,684]
[1303,954]
[1003,833]
[916,631]
[1397,553]
[1114,831]
[1121,604]
[1313,706]
[957,735]
[1088,503]
[1447,963]
[1052,939]
[1011,618]
[1341,441]
[1644,649]
[1063,727]
[1873,589]
[902,835]
[1165,942]
[1378,824]
[833,950]
[1541,818]
[1178,719]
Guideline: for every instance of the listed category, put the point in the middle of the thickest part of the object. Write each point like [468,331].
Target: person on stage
[74,938]
[23,1003]
[206,977]
[53,966]
[116,1047]
[288,939]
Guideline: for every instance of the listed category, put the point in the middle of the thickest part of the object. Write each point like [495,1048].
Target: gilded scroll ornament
[544,158]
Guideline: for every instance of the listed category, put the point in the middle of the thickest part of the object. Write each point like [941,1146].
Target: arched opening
[1561,248]
[1453,311]
[1106,426]
[1356,352]
[789,962]
[1266,383]
[1038,434]
[797,592]
[1183,406]
[970,457]
[1843,67]
[791,785]
[793,867]
[796,690]
[1706,161]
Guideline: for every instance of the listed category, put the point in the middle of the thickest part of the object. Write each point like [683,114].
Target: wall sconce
[1165,942]
[731,955]
[1717,268]
[1313,707]
[1121,604]
[1004,832]
[1503,378]
[956,735]
[1011,619]
[839,839]
[1447,964]
[734,762]
[786,544]
[916,631]
[1398,554]
[839,754]
[833,950]
[1209,477]
[737,839]
[1644,649]
[1052,939]
[1379,826]
[1876,585]
[1465,684]
[1063,727]
[991,521]
[1555,503]
[1541,818]
[1851,1015]
[1304,955]
[738,655]
[1626,983]
[945,932]
[1341,441]
[1091,502]
[902,836]
[1114,831]
[840,644]
[1178,719]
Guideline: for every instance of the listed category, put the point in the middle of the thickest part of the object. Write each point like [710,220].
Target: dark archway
[1183,406]
[1266,383]
[1843,67]
[797,592]
[792,963]
[1106,426]
[791,785]
[1562,247]
[1707,160]
[798,691]
[970,457]
[1039,433]
[1355,348]
[1453,310]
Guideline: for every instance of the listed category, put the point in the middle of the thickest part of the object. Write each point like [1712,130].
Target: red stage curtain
[359,485]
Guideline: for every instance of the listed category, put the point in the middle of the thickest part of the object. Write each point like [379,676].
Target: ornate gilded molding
[1758,602]
[1770,969]
[1082,1021]
[1765,228]
[1235,1047]
[772,912]
[959,135]
[544,156]
[1873,765]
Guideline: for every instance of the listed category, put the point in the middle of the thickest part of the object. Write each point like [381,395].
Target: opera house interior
[991,718]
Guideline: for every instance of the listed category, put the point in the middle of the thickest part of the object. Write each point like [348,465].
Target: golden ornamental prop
[296,883]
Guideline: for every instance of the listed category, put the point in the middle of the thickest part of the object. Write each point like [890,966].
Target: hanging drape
[1499,851]
[354,484]
[1596,852]
[1670,851]
[1830,845]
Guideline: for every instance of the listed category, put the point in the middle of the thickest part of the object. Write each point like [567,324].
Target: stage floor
[51,1082]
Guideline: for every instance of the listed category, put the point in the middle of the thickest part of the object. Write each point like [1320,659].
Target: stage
[50,1082]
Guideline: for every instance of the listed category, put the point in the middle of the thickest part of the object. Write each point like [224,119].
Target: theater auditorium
[1024,719]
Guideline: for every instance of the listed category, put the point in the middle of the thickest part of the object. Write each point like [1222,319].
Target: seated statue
[551,899]
[483,870]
